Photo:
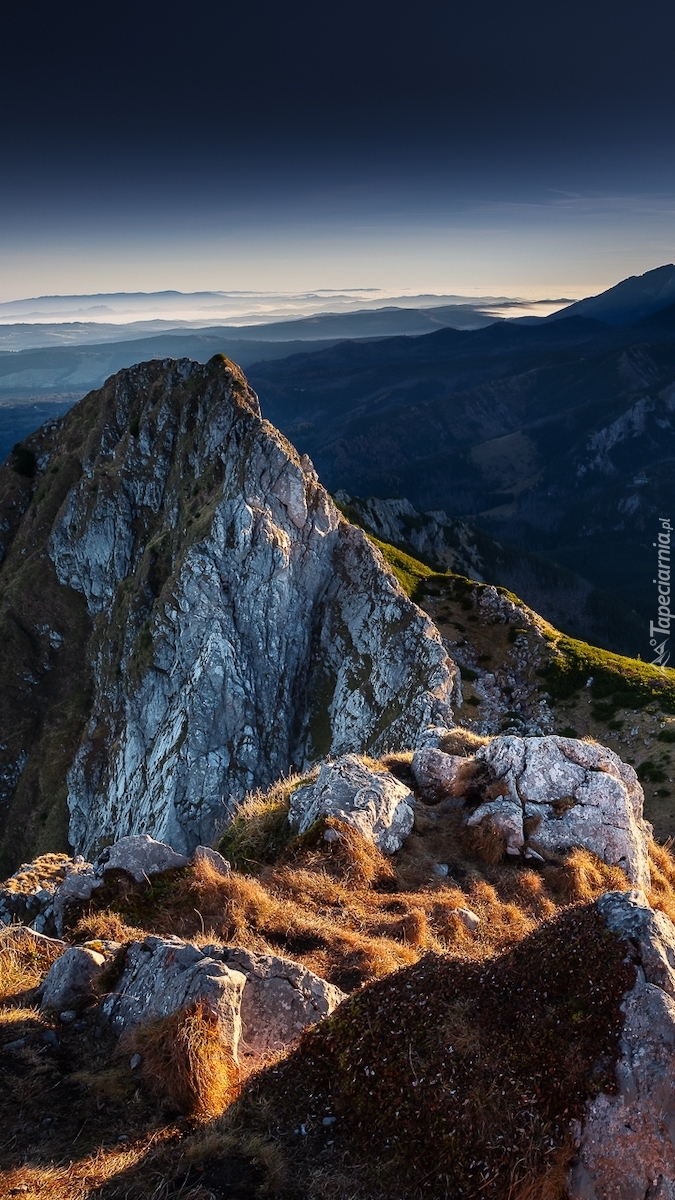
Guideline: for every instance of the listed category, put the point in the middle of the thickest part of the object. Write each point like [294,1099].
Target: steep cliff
[185,615]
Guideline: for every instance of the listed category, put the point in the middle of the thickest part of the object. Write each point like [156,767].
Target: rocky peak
[220,620]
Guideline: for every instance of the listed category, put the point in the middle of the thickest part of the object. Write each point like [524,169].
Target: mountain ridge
[186,615]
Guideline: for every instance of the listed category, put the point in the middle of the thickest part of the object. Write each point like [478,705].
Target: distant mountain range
[555,436]
[558,438]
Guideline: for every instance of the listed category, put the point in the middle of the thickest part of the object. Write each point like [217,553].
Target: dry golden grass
[353,915]
[462,741]
[662,870]
[583,877]
[108,1171]
[24,961]
[185,1062]
[105,925]
[551,1184]
[259,830]
[44,872]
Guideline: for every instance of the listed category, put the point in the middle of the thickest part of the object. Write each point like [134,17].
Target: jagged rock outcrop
[194,588]
[162,975]
[280,999]
[372,800]
[626,1144]
[263,1002]
[446,541]
[559,793]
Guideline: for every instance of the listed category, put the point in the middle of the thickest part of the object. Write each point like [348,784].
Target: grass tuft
[185,1062]
[259,830]
[24,961]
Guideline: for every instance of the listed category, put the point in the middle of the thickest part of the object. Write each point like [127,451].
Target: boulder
[213,858]
[162,975]
[281,998]
[567,793]
[71,980]
[373,801]
[437,774]
[629,917]
[139,856]
[626,1146]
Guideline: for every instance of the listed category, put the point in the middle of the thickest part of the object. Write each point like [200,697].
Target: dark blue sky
[433,145]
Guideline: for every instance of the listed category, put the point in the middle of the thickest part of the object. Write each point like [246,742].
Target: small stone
[441,869]
[18,1044]
[135,1061]
[469,919]
[329,1121]
[68,1016]
[332,835]
[50,1039]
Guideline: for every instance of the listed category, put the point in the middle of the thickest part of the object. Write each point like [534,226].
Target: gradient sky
[521,148]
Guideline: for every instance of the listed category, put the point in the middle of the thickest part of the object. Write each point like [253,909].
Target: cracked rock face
[280,998]
[162,975]
[238,625]
[374,802]
[567,793]
[626,1147]
[263,1002]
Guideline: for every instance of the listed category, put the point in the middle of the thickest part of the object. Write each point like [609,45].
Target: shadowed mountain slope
[558,438]
[629,300]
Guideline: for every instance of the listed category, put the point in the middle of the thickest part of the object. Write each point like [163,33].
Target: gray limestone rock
[76,889]
[139,856]
[281,998]
[506,816]
[628,915]
[574,794]
[243,624]
[626,1149]
[162,975]
[71,980]
[468,917]
[373,801]
[437,774]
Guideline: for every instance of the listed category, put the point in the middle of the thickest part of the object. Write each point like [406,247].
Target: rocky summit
[186,616]
[320,878]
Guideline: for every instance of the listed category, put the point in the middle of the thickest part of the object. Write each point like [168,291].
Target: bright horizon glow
[363,247]
[237,308]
